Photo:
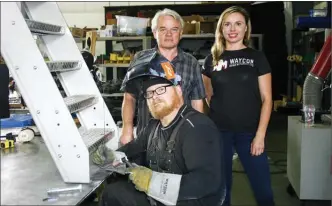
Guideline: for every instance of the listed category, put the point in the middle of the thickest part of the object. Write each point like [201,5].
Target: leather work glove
[163,187]
[104,155]
[141,177]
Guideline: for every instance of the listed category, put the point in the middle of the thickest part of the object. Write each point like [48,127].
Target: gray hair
[166,12]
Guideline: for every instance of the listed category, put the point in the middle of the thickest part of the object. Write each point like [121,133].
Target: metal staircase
[68,145]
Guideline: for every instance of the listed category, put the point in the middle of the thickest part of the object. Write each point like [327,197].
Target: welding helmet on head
[151,65]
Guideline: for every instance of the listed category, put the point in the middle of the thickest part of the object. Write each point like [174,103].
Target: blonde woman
[238,85]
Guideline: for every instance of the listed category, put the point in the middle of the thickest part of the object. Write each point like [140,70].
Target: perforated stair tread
[94,137]
[41,28]
[63,66]
[77,103]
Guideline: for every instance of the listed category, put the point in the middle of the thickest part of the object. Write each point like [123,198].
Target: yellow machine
[7,141]
[7,144]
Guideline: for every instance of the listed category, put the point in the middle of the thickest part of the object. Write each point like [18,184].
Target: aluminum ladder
[68,145]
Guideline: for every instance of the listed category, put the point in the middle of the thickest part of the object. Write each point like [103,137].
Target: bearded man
[178,151]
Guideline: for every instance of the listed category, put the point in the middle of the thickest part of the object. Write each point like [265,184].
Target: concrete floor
[276,147]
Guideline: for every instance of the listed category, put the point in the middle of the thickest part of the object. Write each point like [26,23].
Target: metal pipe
[312,91]
[313,84]
[323,64]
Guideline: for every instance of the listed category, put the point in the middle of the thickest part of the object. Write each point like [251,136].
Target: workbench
[28,171]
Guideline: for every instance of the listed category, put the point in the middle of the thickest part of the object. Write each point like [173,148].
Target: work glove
[105,156]
[162,187]
[141,177]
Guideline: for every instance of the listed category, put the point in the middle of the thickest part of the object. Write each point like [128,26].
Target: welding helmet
[150,65]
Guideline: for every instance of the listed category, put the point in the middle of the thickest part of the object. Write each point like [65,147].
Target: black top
[4,91]
[198,146]
[236,101]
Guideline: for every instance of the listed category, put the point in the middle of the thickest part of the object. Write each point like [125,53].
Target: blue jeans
[256,167]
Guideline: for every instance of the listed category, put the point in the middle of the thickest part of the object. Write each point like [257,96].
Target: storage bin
[131,26]
[17,120]
[318,12]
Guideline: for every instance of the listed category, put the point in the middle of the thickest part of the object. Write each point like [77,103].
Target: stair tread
[76,103]
[63,66]
[94,137]
[44,28]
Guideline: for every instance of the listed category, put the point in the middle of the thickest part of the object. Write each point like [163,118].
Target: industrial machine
[309,146]
[69,146]
[7,141]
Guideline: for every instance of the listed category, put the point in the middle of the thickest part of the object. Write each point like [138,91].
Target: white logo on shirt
[241,62]
[223,64]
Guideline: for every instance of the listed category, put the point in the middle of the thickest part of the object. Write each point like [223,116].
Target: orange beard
[160,108]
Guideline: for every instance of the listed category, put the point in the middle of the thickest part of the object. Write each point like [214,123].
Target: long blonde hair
[219,43]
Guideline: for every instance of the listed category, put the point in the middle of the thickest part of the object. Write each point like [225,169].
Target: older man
[181,152]
[167,28]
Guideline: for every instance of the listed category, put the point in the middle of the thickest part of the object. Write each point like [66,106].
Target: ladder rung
[44,28]
[77,103]
[63,66]
[94,137]
[14,100]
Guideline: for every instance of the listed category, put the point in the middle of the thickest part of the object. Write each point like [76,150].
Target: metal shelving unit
[211,36]
[304,43]
[208,36]
[146,44]
[197,36]
[113,95]
[123,38]
[146,39]
[113,65]
[315,31]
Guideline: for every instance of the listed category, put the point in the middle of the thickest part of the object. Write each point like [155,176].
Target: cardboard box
[77,32]
[207,27]
[191,28]
[190,19]
[196,24]
[200,27]
[111,22]
[85,30]
[192,24]
[81,33]
[212,18]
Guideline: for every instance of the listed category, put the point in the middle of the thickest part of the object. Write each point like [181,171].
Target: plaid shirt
[192,85]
